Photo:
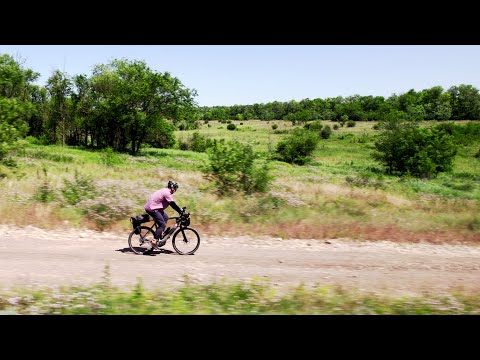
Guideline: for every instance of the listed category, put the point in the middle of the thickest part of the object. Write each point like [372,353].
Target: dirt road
[35,257]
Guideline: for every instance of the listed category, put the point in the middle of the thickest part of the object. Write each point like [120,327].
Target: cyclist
[155,207]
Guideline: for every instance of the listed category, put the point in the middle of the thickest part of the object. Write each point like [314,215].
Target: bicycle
[184,237]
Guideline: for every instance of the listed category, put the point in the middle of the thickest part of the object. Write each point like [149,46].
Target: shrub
[41,140]
[198,143]
[326,132]
[405,148]
[234,167]
[231,127]
[109,157]
[80,188]
[313,125]
[44,192]
[351,123]
[274,126]
[182,145]
[297,147]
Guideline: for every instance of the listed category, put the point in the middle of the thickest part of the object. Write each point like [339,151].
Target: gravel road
[73,257]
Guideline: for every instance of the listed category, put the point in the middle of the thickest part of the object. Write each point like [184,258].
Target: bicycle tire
[188,236]
[139,243]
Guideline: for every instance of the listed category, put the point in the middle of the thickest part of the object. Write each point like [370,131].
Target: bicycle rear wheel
[140,242]
[186,241]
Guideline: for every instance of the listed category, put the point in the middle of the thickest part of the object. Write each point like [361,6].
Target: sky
[225,75]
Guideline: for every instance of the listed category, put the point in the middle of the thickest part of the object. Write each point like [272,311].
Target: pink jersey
[159,200]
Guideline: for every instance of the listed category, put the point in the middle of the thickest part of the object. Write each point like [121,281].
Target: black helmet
[172,185]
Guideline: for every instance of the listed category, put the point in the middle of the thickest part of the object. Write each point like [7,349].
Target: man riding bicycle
[155,207]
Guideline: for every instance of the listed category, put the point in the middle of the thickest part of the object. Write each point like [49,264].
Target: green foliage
[314,126]
[130,103]
[197,143]
[231,127]
[44,192]
[405,148]
[80,188]
[351,123]
[297,147]
[463,134]
[233,168]
[274,126]
[161,133]
[13,126]
[41,140]
[109,157]
[326,132]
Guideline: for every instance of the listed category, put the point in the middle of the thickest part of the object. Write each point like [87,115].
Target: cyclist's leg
[159,218]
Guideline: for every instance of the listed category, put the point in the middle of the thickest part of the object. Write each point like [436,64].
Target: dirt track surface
[36,257]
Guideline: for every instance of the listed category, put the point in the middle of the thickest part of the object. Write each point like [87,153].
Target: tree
[405,148]
[130,101]
[465,102]
[59,88]
[15,107]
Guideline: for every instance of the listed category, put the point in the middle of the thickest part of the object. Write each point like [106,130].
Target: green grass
[253,297]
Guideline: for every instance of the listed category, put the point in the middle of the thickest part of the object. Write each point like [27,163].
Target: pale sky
[248,74]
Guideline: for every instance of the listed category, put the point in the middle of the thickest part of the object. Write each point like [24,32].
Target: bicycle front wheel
[186,241]
[142,241]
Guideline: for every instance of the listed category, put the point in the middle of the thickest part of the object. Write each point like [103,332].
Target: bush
[274,126]
[198,143]
[297,147]
[109,157]
[80,188]
[405,148]
[44,192]
[326,132]
[233,167]
[231,127]
[351,123]
[41,140]
[313,125]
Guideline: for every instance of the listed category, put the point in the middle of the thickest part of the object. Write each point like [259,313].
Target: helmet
[172,185]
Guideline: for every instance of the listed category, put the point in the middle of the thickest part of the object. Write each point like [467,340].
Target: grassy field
[342,192]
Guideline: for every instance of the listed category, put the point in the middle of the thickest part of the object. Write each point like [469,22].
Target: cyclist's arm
[175,207]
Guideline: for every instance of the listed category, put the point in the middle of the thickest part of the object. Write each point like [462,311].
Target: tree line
[457,103]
